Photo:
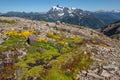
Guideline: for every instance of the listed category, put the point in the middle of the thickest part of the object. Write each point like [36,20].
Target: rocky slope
[112,30]
[32,50]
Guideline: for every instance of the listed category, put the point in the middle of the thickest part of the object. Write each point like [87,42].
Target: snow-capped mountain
[73,16]
[59,11]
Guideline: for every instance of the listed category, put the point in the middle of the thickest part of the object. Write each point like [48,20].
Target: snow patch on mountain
[80,13]
[61,14]
[71,15]
[71,10]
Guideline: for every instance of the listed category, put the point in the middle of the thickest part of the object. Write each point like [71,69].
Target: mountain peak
[57,7]
[60,8]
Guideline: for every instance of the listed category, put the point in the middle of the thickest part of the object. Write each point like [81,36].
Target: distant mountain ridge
[72,15]
[115,11]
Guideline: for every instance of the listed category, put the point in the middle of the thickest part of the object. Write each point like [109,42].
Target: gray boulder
[32,40]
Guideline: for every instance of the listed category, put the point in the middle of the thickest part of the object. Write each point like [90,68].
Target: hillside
[112,30]
[71,15]
[38,50]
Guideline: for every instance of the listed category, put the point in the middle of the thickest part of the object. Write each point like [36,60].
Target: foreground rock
[32,40]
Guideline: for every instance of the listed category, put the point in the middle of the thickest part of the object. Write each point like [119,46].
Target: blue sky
[45,5]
